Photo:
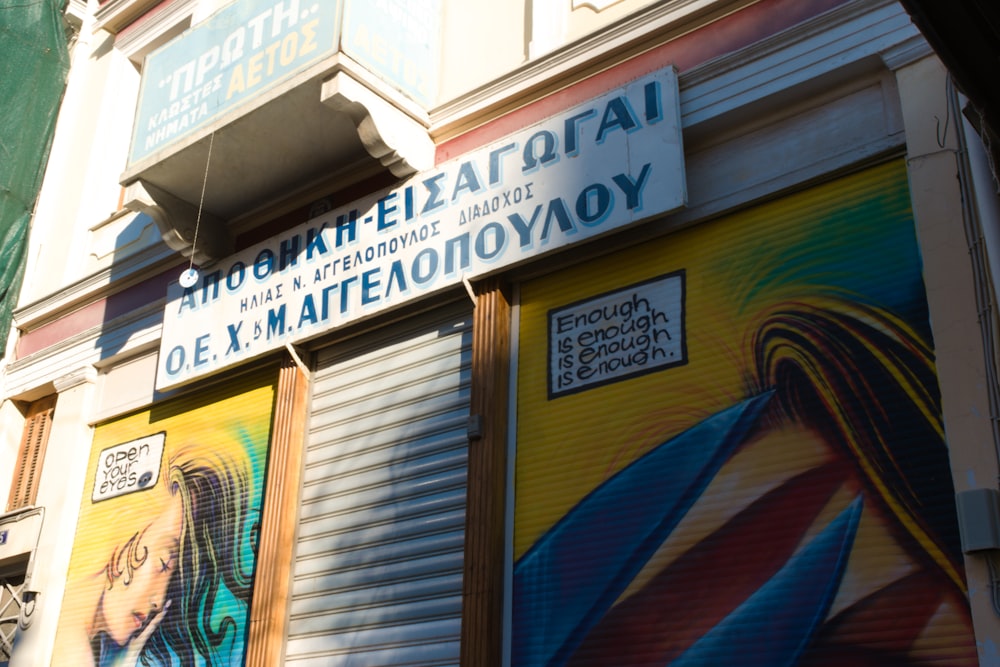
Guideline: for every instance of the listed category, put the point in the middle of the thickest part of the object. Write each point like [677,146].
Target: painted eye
[145,478]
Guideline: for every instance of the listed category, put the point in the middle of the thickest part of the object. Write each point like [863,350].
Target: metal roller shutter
[378,567]
[779,491]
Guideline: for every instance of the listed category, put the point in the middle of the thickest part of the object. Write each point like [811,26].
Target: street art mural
[730,448]
[165,546]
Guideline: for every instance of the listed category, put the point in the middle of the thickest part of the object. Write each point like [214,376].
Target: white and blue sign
[397,40]
[226,62]
[584,173]
[128,467]
[618,335]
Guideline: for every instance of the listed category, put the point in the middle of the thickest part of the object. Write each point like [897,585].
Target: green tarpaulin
[34,60]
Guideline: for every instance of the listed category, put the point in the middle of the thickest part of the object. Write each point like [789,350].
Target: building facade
[548,333]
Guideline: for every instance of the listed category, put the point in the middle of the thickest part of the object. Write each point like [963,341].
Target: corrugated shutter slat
[377,578]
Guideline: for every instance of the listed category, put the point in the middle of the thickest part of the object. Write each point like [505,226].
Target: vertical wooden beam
[272,580]
[482,594]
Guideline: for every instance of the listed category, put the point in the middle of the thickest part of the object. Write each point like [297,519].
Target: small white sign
[128,467]
[618,335]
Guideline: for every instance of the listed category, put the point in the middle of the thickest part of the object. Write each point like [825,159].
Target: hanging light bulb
[189,277]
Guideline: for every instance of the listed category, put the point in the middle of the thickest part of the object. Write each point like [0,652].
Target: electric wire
[201,201]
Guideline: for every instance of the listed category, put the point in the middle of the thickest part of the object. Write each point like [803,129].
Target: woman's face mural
[776,490]
[136,593]
[164,554]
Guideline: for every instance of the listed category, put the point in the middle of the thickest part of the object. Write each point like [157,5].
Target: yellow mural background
[231,421]
[735,267]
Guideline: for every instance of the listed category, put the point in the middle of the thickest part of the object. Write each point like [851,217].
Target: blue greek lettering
[187,300]
[571,131]
[408,212]
[462,243]
[494,232]
[276,321]
[237,274]
[325,302]
[315,242]
[263,264]
[210,286]
[385,210]
[175,360]
[633,189]
[496,166]
[425,266]
[397,276]
[369,283]
[435,190]
[201,350]
[288,252]
[654,104]
[617,114]
[307,316]
[557,212]
[467,181]
[548,141]
[345,286]
[347,225]
[524,228]
[594,204]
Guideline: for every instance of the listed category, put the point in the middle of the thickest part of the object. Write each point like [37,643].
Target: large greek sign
[226,62]
[593,169]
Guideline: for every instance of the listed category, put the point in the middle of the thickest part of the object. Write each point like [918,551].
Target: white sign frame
[128,467]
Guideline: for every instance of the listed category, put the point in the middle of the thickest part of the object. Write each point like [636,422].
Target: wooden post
[272,580]
[482,594]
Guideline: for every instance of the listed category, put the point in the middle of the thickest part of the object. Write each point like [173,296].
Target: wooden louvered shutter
[38,423]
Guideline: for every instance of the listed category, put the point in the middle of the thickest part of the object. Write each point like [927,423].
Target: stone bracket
[175,218]
[391,136]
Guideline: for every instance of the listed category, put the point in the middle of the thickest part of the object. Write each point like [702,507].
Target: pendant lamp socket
[189,278]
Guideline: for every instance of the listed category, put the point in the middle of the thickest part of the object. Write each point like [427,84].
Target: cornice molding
[81,376]
[576,61]
[908,52]
[621,41]
[155,28]
[828,23]
[126,273]
[137,330]
[846,39]
[115,15]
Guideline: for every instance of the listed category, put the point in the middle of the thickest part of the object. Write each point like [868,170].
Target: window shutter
[37,425]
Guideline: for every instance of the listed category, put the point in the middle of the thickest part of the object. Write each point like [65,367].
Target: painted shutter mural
[164,554]
[730,448]
[378,567]
[37,424]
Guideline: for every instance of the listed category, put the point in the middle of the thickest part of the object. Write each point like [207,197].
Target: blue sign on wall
[397,40]
[225,62]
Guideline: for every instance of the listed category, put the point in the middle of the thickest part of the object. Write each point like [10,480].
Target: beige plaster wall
[937,206]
